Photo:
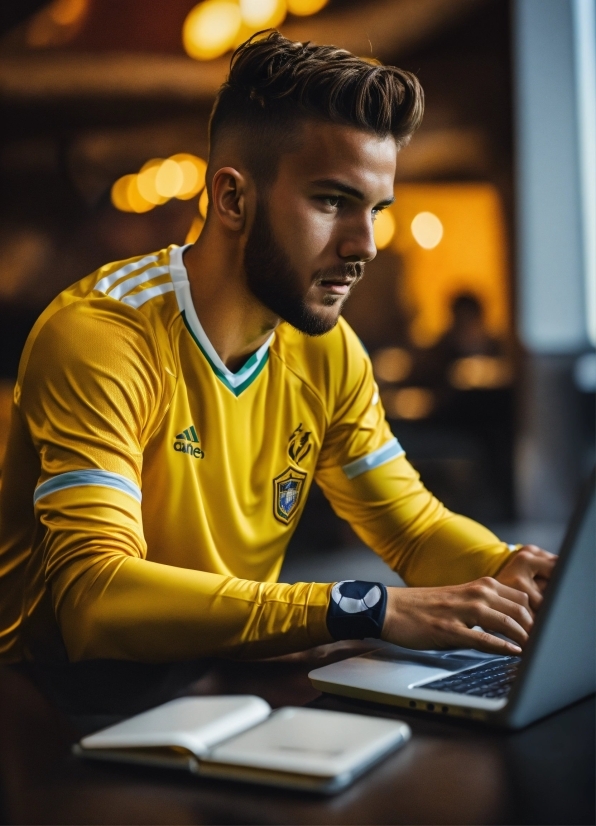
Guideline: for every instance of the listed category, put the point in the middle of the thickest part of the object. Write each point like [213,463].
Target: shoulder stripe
[128,286]
[104,284]
[138,299]
[390,450]
[81,478]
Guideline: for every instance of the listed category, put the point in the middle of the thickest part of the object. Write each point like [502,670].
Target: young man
[172,411]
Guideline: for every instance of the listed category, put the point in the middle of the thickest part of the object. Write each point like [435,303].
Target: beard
[273,280]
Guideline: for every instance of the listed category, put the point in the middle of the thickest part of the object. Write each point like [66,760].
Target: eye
[332,201]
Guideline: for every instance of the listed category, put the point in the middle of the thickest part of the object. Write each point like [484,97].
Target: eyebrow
[333,183]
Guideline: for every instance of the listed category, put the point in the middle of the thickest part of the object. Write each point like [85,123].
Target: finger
[539,561]
[525,593]
[521,613]
[482,641]
[534,593]
[501,622]
[540,551]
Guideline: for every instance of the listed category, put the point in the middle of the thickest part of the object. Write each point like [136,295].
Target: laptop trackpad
[445,660]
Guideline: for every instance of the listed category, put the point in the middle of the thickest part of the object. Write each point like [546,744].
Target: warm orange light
[306,7]
[67,12]
[409,403]
[210,29]
[471,257]
[56,24]
[193,174]
[119,193]
[427,230]
[384,229]
[204,202]
[147,182]
[169,179]
[392,364]
[261,14]
[195,230]
[480,373]
[136,199]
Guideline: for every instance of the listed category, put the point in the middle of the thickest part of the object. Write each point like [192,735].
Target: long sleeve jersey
[149,493]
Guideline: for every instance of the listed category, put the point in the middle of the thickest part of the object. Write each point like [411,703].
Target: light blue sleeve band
[390,450]
[79,478]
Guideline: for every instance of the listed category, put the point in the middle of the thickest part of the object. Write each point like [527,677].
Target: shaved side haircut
[275,85]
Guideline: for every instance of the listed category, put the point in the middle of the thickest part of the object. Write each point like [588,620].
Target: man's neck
[235,322]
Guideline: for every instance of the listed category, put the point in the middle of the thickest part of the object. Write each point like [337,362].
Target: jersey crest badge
[287,492]
[299,444]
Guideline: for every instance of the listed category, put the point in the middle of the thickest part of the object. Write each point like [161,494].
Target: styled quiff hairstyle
[275,84]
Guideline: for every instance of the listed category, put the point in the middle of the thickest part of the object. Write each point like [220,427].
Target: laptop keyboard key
[490,680]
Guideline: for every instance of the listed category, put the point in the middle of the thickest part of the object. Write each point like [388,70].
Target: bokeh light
[169,179]
[147,182]
[306,7]
[480,373]
[211,28]
[427,230]
[204,202]
[180,176]
[392,364]
[136,199]
[193,175]
[126,196]
[261,14]
[409,403]
[384,229]
[119,193]
[56,24]
[195,230]
[67,12]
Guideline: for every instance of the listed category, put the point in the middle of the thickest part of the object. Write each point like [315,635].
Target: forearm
[416,535]
[139,610]
[452,551]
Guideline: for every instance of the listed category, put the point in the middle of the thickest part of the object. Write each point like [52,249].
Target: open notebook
[241,738]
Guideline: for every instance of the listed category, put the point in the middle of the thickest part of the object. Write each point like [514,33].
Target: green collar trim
[253,366]
[235,382]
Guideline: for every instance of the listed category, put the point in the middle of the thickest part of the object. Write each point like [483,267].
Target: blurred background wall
[479,310]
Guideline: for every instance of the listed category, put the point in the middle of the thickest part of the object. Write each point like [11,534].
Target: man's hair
[275,84]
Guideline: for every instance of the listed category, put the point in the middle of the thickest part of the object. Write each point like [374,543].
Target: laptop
[558,666]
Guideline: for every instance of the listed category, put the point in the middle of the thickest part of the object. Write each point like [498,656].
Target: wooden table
[451,771]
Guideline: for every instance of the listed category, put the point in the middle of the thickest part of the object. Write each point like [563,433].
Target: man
[171,412]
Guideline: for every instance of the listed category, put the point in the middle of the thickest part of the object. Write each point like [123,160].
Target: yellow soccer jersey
[149,493]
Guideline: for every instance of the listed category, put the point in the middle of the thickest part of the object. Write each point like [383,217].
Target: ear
[228,198]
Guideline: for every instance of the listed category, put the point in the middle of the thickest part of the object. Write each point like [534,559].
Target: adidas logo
[188,442]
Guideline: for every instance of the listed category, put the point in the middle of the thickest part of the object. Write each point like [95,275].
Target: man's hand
[528,570]
[444,617]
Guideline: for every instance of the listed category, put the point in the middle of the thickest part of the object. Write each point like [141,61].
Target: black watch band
[356,609]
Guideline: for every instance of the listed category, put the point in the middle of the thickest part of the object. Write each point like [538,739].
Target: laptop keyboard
[491,680]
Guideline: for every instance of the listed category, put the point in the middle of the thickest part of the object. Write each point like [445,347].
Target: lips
[335,287]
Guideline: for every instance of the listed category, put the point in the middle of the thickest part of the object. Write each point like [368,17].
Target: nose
[357,243]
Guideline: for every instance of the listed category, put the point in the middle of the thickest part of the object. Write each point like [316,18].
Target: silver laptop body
[558,666]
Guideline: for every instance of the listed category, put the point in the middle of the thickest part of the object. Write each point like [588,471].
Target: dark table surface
[451,772]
